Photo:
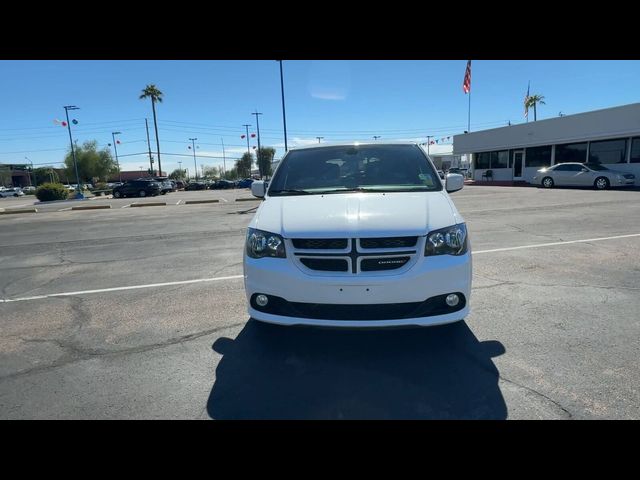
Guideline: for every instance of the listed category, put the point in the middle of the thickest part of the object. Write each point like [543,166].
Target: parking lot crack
[564,410]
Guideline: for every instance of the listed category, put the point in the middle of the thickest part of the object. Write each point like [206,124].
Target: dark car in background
[166,186]
[180,184]
[245,183]
[137,188]
[222,185]
[196,186]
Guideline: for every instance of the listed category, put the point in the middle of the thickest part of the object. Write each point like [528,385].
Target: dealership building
[610,137]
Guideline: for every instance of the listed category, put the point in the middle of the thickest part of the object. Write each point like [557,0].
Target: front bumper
[398,297]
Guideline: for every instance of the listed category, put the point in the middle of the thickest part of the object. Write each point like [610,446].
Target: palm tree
[152,92]
[532,101]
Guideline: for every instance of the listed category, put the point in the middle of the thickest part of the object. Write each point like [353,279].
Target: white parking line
[235,277]
[222,199]
[65,209]
[538,245]
[179,202]
[126,206]
[117,289]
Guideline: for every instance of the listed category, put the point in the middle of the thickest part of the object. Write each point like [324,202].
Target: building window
[571,152]
[482,160]
[635,150]
[538,156]
[500,159]
[608,151]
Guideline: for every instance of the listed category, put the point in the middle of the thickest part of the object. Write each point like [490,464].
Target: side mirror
[258,189]
[454,182]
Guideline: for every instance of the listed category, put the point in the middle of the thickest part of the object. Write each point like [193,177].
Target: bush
[51,191]
[100,186]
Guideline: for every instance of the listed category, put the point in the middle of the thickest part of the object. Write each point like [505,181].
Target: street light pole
[319,138]
[284,116]
[259,154]
[224,159]
[35,180]
[180,169]
[113,136]
[376,137]
[73,152]
[193,144]
[247,125]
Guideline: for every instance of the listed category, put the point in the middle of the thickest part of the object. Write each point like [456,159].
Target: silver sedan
[583,174]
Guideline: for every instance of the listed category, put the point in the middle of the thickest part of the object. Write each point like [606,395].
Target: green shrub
[51,191]
[100,186]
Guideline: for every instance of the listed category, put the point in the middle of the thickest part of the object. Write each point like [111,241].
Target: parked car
[441,174]
[222,185]
[196,186]
[11,192]
[166,186]
[360,235]
[30,188]
[246,183]
[180,184]
[582,174]
[140,188]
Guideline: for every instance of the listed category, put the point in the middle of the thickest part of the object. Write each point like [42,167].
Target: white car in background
[11,192]
[582,175]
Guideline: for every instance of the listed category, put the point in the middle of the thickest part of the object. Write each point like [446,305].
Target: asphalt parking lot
[155,325]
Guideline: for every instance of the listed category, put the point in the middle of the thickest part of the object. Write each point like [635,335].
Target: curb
[191,202]
[19,210]
[91,207]
[247,199]
[149,204]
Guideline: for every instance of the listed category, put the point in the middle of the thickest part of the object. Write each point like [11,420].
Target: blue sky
[338,100]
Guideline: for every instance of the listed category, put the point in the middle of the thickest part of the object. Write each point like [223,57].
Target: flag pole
[469,113]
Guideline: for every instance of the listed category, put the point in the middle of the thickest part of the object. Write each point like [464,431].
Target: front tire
[547,182]
[601,183]
[142,193]
[117,195]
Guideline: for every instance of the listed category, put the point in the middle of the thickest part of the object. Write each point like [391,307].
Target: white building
[610,136]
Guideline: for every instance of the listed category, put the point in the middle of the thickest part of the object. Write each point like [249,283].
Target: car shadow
[276,372]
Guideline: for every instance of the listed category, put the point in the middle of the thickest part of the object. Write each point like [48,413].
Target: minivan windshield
[352,168]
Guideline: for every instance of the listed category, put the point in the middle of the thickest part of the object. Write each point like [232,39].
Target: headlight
[447,241]
[264,244]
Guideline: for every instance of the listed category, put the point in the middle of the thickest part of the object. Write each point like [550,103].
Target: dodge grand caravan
[358,235]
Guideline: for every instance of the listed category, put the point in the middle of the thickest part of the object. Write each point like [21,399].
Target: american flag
[466,84]
[526,99]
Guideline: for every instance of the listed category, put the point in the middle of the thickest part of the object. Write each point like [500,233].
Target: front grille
[381,311]
[349,256]
[320,243]
[388,242]
[374,264]
[326,264]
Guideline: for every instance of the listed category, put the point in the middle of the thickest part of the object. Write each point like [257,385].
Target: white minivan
[357,235]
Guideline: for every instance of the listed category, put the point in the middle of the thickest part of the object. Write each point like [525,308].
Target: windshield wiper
[290,192]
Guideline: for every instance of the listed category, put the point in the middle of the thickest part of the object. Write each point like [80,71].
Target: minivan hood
[356,214]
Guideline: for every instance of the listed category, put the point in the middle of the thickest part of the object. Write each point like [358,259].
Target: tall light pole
[146,124]
[319,138]
[247,125]
[284,116]
[259,153]
[115,149]
[180,169]
[193,144]
[35,180]
[73,152]
[429,137]
[376,137]
[224,159]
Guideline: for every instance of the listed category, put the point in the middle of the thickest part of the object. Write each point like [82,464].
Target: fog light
[452,300]
[262,300]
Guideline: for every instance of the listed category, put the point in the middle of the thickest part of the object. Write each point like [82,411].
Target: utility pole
[115,149]
[259,153]
[180,169]
[247,125]
[193,144]
[73,152]
[429,137]
[146,124]
[284,116]
[224,159]
[35,180]
[319,138]
[376,137]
